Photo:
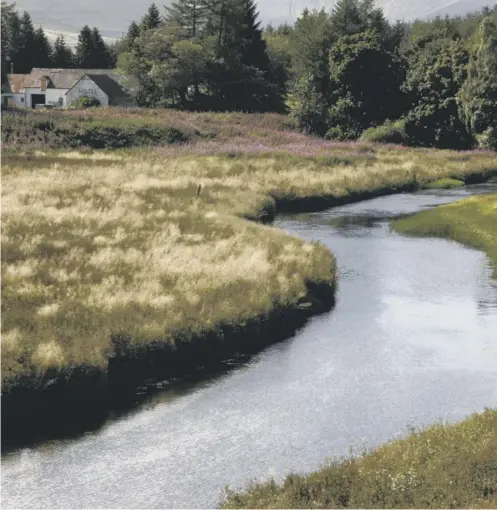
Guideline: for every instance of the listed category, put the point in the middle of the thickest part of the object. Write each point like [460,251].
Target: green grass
[103,243]
[443,466]
[447,183]
[472,221]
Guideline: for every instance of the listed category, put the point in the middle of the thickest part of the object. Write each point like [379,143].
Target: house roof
[114,84]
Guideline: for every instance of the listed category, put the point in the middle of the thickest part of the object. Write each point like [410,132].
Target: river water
[412,340]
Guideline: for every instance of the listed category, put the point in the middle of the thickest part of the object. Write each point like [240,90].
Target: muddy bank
[63,404]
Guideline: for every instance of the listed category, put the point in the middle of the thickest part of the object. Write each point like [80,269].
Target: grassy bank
[472,221]
[117,128]
[113,256]
[451,466]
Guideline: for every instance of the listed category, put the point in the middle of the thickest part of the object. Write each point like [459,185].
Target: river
[412,340]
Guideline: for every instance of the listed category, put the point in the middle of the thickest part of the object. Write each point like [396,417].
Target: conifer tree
[132,34]
[152,19]
[253,51]
[189,16]
[62,56]
[346,18]
[102,56]
[26,50]
[85,55]
[43,49]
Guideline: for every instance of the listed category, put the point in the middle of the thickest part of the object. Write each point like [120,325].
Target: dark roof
[67,78]
[109,86]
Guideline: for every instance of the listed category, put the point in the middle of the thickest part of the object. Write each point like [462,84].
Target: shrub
[85,102]
[389,132]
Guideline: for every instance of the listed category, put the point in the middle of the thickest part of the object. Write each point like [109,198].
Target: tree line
[24,47]
[340,74]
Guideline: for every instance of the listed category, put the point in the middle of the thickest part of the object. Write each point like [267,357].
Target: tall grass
[451,466]
[152,245]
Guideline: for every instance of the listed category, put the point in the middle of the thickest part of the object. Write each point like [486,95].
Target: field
[153,245]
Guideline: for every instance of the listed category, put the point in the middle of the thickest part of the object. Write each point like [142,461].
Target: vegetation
[152,244]
[472,221]
[443,466]
[341,74]
[445,184]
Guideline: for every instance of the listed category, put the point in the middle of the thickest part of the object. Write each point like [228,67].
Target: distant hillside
[112,17]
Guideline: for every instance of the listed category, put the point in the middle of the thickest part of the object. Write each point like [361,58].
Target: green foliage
[62,55]
[43,50]
[478,97]
[447,183]
[308,106]
[436,72]
[388,132]
[85,102]
[91,50]
[355,104]
[152,18]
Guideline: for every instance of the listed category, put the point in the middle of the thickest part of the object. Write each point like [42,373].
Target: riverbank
[443,466]
[472,221]
[121,266]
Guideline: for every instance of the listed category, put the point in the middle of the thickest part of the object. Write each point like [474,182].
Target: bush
[85,102]
[389,132]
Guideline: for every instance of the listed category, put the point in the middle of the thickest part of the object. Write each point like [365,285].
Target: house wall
[52,96]
[87,87]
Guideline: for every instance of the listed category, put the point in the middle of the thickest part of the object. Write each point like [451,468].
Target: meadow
[108,251]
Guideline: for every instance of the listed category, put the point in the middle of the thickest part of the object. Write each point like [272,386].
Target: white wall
[51,95]
[86,87]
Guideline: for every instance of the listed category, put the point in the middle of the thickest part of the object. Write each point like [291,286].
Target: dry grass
[104,243]
[441,467]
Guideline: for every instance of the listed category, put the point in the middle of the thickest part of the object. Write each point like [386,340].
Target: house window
[22,100]
[61,101]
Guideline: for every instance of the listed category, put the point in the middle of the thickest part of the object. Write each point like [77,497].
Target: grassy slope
[472,221]
[101,243]
[441,467]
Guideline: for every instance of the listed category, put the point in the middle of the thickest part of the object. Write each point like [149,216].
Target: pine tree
[132,34]
[189,16]
[102,56]
[85,54]
[346,18]
[43,50]
[253,51]
[152,19]
[23,59]
[62,56]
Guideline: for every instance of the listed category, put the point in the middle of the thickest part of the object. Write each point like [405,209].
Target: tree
[25,45]
[132,34]
[311,40]
[346,17]
[189,16]
[62,56]
[43,49]
[365,79]
[103,58]
[85,54]
[478,97]
[152,19]
[253,49]
[436,72]
[308,106]
[10,20]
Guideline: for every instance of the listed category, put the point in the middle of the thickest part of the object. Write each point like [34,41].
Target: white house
[62,87]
